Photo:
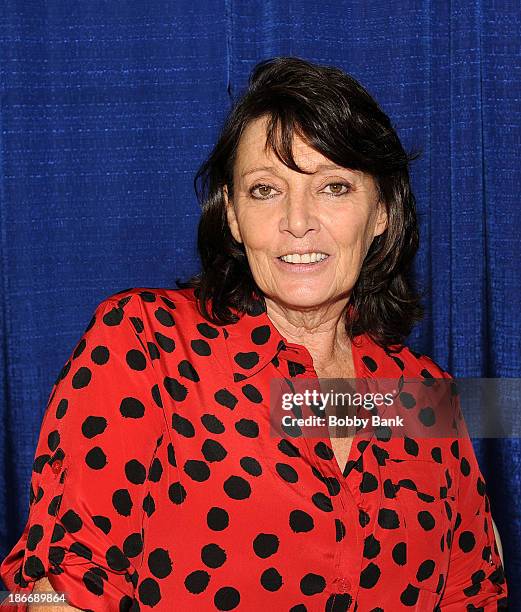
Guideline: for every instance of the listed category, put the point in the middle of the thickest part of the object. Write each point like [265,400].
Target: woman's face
[277,211]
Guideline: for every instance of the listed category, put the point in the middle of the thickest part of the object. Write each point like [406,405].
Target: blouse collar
[253,341]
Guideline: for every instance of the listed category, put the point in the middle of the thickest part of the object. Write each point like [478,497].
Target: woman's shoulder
[418,364]
[169,324]
[153,297]
[155,305]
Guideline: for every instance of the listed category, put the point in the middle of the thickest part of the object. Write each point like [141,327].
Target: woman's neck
[321,331]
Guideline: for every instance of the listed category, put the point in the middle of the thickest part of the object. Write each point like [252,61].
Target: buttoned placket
[348,552]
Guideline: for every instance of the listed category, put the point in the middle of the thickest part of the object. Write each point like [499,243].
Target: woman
[156,480]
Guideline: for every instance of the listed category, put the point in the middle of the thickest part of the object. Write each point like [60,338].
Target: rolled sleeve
[101,428]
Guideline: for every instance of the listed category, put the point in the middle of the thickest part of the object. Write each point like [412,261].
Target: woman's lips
[316,266]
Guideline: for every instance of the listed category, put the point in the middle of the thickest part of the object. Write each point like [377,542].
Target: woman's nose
[299,215]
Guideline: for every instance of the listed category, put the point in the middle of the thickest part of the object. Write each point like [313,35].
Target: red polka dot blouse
[156,483]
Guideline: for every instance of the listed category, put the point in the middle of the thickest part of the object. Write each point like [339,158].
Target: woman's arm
[85,501]
[44,586]
[498,541]
[475,575]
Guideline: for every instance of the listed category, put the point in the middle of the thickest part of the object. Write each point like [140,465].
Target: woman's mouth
[303,263]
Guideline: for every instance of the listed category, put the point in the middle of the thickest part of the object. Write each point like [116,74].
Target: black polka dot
[237,488]
[93,426]
[71,521]
[96,458]
[340,530]
[33,567]
[370,363]
[464,467]
[182,425]
[300,521]
[261,335]
[135,471]
[425,570]
[149,505]
[388,519]
[136,360]
[226,398]
[34,536]
[116,560]
[324,451]
[271,579]
[247,360]
[207,330]
[311,584]
[289,449]
[103,523]
[371,547]
[409,597]
[286,472]
[165,342]
[252,393]
[265,545]
[436,454]
[399,553]
[155,471]
[164,317]
[213,450]
[217,519]
[93,582]
[212,423]
[426,520]
[122,502]
[197,470]
[247,427]
[201,347]
[149,592]
[100,355]
[175,389]
[61,408]
[466,541]
[159,563]
[187,370]
[81,378]
[251,466]
[133,545]
[227,598]
[176,493]
[427,416]
[369,576]
[197,581]
[131,408]
[369,483]
[213,555]
[323,502]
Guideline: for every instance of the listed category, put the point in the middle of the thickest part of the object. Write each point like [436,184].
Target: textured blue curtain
[107,109]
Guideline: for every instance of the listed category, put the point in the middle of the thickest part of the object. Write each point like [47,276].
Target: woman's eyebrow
[319,168]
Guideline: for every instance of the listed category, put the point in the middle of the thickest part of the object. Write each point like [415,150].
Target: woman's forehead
[253,153]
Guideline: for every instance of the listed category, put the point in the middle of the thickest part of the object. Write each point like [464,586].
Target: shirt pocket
[426,502]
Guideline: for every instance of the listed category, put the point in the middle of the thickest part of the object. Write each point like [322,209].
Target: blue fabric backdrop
[107,109]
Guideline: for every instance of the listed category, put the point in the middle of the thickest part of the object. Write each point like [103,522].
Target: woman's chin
[302,299]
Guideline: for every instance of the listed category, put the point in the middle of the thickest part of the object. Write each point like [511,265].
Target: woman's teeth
[295,258]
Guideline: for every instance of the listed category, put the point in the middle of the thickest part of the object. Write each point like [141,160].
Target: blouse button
[344,584]
[56,466]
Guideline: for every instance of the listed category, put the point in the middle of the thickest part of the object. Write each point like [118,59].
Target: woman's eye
[263,191]
[337,189]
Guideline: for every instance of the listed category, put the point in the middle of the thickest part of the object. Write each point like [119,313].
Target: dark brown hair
[337,117]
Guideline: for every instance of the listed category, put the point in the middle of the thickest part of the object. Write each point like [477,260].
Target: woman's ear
[231,216]
[381,220]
